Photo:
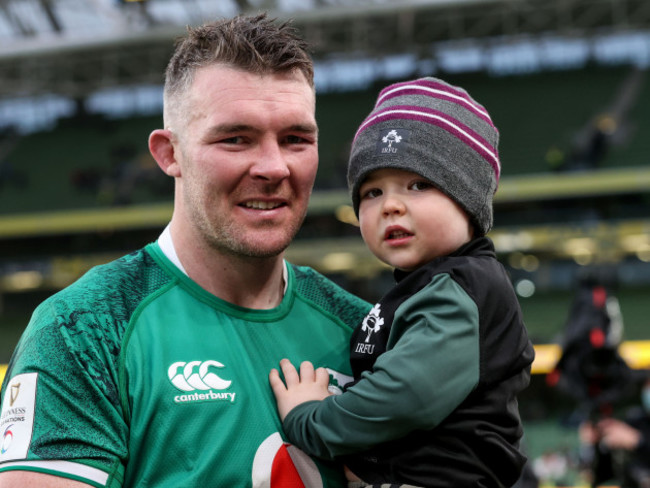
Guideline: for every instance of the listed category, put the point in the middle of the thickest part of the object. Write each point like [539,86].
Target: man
[613,448]
[152,370]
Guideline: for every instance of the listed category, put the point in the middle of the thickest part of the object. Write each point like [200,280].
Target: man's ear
[162,150]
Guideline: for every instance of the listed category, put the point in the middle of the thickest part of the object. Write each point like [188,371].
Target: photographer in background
[592,371]
[626,441]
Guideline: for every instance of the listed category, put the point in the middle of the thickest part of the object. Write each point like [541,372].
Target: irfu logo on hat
[392,141]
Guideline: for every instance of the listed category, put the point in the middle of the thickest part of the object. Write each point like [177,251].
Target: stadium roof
[75,47]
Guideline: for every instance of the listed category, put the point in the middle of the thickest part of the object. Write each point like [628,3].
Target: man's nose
[271,163]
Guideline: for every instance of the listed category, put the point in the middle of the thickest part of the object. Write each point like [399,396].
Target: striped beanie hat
[438,131]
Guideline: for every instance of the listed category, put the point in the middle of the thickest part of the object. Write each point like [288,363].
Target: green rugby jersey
[135,376]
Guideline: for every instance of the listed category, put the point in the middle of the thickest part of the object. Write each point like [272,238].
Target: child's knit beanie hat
[438,131]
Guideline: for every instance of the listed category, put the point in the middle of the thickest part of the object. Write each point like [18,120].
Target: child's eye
[371,193]
[421,185]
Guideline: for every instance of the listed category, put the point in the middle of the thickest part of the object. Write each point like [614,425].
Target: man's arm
[67,355]
[28,479]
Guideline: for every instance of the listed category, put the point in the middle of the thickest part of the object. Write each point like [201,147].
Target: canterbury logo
[196,375]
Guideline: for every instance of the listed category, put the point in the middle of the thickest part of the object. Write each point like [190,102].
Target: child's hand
[310,385]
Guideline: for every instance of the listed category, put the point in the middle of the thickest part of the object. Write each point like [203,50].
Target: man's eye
[293,139]
[232,140]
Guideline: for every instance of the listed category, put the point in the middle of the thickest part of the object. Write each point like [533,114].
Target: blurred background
[564,80]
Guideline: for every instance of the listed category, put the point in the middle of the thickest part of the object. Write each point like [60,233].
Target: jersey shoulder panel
[329,297]
[73,345]
[97,308]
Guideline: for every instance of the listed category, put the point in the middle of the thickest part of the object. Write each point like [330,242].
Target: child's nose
[393,205]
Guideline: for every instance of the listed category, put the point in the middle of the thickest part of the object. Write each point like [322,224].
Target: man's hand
[309,385]
[588,434]
[619,435]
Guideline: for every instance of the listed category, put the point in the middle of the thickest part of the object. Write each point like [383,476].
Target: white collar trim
[167,247]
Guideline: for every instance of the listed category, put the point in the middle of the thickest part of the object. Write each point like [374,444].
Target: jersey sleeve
[431,366]
[61,411]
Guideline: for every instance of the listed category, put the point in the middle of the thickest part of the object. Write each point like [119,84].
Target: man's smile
[262,205]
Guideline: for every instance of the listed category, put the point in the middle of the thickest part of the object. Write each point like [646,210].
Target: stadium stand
[78,163]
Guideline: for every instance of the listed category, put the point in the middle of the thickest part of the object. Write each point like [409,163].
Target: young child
[439,361]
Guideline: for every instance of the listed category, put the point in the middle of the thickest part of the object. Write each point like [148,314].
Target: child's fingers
[322,377]
[290,374]
[307,371]
[277,385]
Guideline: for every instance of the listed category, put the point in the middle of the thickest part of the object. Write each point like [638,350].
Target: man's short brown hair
[255,44]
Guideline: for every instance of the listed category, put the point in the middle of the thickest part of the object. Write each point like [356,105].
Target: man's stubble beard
[224,239]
